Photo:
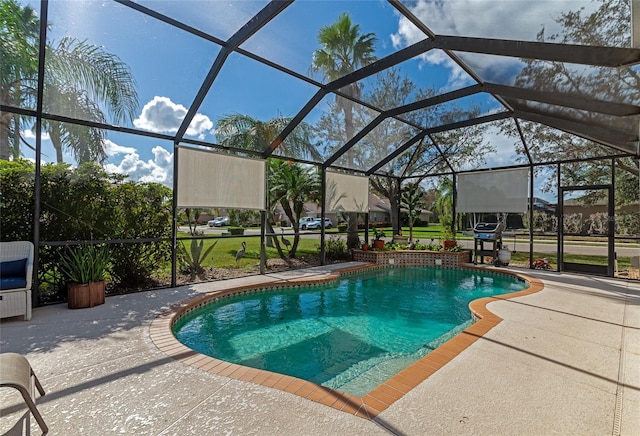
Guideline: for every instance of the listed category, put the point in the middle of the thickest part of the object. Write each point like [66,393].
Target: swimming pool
[350,335]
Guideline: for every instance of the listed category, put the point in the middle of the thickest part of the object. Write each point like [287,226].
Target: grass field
[223,255]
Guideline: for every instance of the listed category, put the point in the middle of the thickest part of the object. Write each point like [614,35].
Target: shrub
[572,223]
[85,264]
[628,223]
[192,260]
[336,249]
[87,204]
[140,210]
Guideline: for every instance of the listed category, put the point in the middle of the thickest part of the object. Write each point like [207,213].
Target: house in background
[379,212]
[379,209]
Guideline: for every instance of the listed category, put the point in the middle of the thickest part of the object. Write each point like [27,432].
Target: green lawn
[223,254]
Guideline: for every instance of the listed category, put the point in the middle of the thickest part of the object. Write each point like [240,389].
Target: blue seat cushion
[12,282]
[13,268]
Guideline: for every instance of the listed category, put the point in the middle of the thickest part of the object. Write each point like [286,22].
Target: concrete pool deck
[565,360]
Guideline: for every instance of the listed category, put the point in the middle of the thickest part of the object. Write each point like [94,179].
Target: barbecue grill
[490,234]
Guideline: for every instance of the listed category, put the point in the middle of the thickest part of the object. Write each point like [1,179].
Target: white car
[317,223]
[305,221]
[219,222]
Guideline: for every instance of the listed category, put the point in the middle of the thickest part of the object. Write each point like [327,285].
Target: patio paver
[565,360]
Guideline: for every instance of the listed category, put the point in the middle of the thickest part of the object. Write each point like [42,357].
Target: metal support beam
[261,19]
[382,64]
[566,53]
[37,186]
[323,193]
[635,23]
[443,128]
[612,138]
[524,141]
[563,99]
[165,19]
[263,240]
[432,101]
[317,97]
[174,218]
[531,203]
[397,152]
[361,134]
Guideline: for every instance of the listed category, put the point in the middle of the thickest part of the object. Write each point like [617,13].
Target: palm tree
[244,132]
[80,79]
[292,185]
[343,50]
[444,203]
[19,30]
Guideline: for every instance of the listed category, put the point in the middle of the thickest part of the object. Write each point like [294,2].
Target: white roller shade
[346,193]
[208,179]
[493,191]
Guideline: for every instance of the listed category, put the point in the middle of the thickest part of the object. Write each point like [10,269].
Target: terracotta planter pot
[448,244]
[85,295]
[378,244]
[365,247]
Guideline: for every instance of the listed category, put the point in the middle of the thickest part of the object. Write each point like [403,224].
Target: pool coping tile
[369,405]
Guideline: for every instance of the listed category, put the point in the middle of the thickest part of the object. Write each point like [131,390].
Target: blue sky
[169,64]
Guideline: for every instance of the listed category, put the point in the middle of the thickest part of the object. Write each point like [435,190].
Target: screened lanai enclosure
[198,140]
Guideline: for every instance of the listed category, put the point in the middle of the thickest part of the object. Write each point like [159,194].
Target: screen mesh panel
[207,179]
[347,193]
[494,191]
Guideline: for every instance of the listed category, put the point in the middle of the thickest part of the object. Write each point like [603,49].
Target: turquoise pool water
[351,335]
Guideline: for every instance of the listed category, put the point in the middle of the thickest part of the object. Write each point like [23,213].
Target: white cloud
[161,115]
[29,134]
[159,169]
[113,149]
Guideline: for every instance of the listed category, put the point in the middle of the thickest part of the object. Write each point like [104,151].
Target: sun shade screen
[347,193]
[207,179]
[494,191]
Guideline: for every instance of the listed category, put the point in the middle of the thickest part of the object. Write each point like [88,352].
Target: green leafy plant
[336,249]
[193,259]
[430,247]
[447,234]
[236,230]
[411,200]
[455,248]
[378,233]
[85,264]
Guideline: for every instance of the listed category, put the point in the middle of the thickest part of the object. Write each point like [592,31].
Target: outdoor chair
[16,372]
[16,270]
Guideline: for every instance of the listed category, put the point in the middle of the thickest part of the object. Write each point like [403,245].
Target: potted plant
[447,236]
[85,268]
[378,242]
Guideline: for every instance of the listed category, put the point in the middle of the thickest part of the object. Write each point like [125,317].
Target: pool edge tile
[370,405]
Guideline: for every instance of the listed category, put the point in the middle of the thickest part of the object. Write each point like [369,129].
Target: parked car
[317,223]
[305,221]
[219,222]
